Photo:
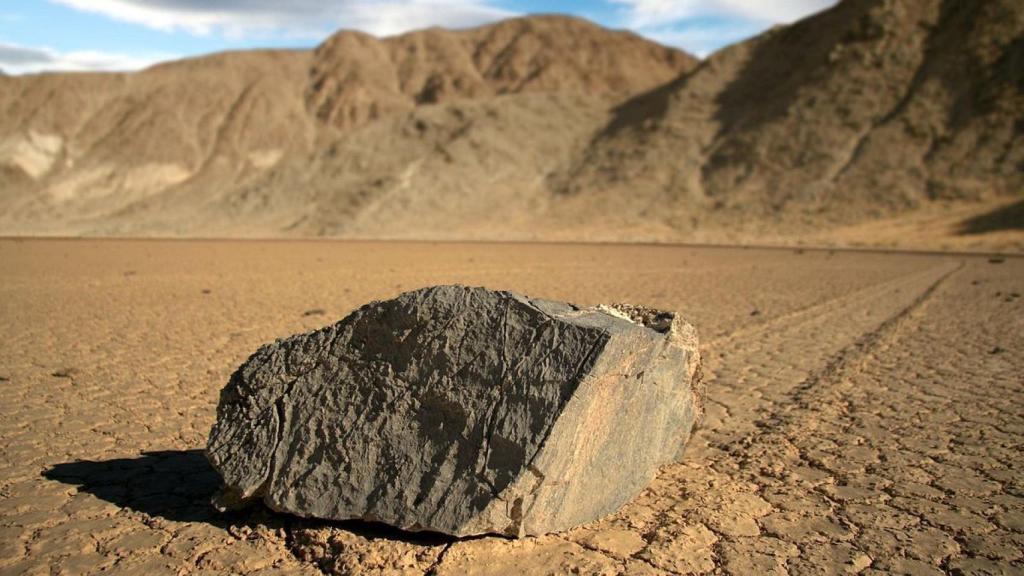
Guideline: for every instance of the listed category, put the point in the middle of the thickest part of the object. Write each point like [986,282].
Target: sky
[45,35]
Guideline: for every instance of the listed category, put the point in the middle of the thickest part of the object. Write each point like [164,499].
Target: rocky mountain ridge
[541,127]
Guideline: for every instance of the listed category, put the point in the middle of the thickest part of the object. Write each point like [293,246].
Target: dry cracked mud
[864,410]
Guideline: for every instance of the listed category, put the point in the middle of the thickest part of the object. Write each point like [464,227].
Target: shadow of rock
[1009,217]
[172,484]
[177,485]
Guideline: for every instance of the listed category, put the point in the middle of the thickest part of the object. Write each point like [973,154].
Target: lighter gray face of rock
[460,410]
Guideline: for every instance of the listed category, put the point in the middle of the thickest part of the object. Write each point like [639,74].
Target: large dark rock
[460,410]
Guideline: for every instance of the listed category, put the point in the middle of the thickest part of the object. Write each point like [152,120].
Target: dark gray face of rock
[460,410]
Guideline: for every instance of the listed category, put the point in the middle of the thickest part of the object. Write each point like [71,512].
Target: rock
[460,410]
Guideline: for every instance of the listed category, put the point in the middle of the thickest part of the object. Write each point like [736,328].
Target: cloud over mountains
[15,59]
[302,18]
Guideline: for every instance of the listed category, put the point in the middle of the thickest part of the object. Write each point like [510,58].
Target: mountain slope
[258,143]
[867,109]
[357,77]
[539,128]
[87,146]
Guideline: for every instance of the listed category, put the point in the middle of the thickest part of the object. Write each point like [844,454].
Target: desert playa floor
[865,409]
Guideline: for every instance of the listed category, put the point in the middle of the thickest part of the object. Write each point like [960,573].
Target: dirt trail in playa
[864,409]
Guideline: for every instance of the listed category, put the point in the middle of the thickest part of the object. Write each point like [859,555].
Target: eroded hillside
[534,128]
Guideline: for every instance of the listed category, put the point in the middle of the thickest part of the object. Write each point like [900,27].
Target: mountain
[313,142]
[863,111]
[540,127]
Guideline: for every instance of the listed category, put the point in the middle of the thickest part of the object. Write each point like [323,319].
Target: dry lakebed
[864,409]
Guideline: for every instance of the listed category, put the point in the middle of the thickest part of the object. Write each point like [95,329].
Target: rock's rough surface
[460,410]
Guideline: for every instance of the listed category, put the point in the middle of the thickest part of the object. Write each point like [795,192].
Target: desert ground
[864,410]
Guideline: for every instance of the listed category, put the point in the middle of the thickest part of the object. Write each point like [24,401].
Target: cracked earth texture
[864,411]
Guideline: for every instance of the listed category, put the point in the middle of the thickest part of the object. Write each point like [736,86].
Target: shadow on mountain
[784,62]
[650,106]
[1009,217]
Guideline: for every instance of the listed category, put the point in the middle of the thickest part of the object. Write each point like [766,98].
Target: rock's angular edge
[461,410]
[680,333]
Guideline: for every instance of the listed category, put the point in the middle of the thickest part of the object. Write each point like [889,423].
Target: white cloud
[777,11]
[703,26]
[15,59]
[646,13]
[311,19]
[701,40]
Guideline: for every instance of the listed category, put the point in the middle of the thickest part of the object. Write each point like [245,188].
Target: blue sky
[41,35]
